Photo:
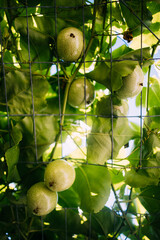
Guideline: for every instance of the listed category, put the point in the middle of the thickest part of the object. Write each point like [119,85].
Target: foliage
[117,159]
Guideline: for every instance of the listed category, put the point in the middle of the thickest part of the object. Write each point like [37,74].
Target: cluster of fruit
[42,197]
[59,175]
[70,47]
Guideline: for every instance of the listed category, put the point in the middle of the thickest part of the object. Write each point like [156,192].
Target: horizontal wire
[60,7]
[86,61]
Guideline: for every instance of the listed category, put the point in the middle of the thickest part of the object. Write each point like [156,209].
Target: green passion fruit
[40,200]
[70,44]
[59,175]
[132,84]
[81,93]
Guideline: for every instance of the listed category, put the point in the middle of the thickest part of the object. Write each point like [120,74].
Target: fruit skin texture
[81,91]
[132,84]
[70,44]
[40,200]
[59,175]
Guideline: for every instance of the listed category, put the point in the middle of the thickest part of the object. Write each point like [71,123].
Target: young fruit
[132,84]
[81,93]
[59,175]
[40,200]
[70,44]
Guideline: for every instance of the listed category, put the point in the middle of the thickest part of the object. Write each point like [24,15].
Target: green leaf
[30,174]
[103,74]
[116,12]
[150,198]
[116,176]
[124,67]
[119,52]
[39,38]
[153,122]
[16,136]
[122,134]
[100,73]
[57,221]
[153,7]
[70,11]
[104,222]
[131,11]
[12,157]
[37,26]
[30,3]
[153,97]
[38,140]
[20,97]
[8,58]
[94,189]
[103,107]
[151,155]
[139,179]
[98,148]
[141,55]
[150,226]
[68,198]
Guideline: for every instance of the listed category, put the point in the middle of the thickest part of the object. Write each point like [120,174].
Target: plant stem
[124,215]
[103,27]
[70,79]
[121,225]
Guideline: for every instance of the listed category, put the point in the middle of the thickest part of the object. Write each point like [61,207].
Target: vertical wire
[7,110]
[42,230]
[5,85]
[112,143]
[65,211]
[141,123]
[140,224]
[85,114]
[33,108]
[31,81]
[60,112]
[90,226]
[59,85]
[17,216]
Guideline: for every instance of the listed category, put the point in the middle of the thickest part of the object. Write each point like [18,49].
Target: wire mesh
[31,118]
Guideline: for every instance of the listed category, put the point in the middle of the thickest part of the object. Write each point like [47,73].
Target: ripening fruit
[70,44]
[81,93]
[59,175]
[132,84]
[40,200]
